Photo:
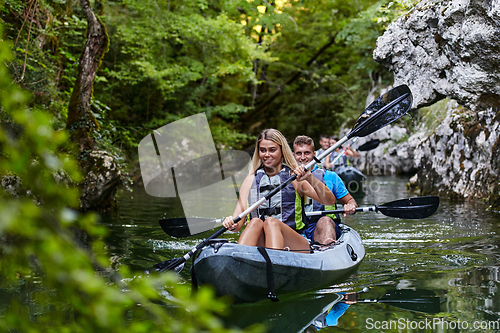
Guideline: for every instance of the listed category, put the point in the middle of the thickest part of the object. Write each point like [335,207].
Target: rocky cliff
[448,49]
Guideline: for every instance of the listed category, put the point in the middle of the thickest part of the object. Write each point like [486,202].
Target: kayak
[352,178]
[241,271]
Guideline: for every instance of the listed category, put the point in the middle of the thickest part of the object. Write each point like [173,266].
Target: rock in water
[102,178]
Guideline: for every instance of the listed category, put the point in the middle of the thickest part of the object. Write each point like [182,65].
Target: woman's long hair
[278,138]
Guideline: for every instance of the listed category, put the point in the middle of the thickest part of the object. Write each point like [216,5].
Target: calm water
[452,256]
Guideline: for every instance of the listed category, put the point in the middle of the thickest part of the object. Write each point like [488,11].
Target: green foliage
[49,253]
[46,51]
[332,87]
[331,82]
[168,61]
[172,59]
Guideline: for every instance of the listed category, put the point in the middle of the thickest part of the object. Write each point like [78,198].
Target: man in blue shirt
[323,230]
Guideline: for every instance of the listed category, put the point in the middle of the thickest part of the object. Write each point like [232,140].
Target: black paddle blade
[179,227]
[412,208]
[369,145]
[384,110]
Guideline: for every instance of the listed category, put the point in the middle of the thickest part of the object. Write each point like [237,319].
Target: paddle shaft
[416,300]
[340,211]
[342,153]
[338,157]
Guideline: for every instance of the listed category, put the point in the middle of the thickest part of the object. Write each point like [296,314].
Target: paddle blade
[369,145]
[412,208]
[179,227]
[384,110]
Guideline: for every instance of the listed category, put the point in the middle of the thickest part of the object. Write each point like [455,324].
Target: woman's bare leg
[279,235]
[253,233]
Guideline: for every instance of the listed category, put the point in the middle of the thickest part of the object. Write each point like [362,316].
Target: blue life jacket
[284,205]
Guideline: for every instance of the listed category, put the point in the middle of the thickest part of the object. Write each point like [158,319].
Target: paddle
[369,145]
[412,208]
[179,228]
[384,110]
[420,300]
[364,147]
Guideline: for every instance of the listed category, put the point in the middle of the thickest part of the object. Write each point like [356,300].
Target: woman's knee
[255,223]
[271,222]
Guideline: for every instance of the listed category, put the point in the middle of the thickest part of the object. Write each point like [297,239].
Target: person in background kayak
[277,222]
[324,142]
[333,162]
[324,229]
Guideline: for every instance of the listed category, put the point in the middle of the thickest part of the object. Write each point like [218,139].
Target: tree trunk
[81,121]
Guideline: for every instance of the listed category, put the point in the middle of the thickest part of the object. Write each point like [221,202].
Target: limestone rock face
[450,49]
[102,178]
[462,156]
[394,155]
[459,158]
[446,49]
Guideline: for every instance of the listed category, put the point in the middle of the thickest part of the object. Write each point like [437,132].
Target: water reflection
[323,310]
[419,301]
[292,314]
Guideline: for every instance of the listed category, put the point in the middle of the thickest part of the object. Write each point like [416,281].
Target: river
[443,271]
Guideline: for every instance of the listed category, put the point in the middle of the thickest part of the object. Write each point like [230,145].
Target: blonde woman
[277,222]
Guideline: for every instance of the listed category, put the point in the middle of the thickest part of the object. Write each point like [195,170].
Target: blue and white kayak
[241,271]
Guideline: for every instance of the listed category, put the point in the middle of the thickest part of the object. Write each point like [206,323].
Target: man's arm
[336,185]
[349,204]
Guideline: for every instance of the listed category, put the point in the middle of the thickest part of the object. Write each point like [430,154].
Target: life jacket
[284,205]
[343,161]
[311,205]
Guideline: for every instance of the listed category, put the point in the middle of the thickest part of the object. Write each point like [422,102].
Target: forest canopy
[304,67]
